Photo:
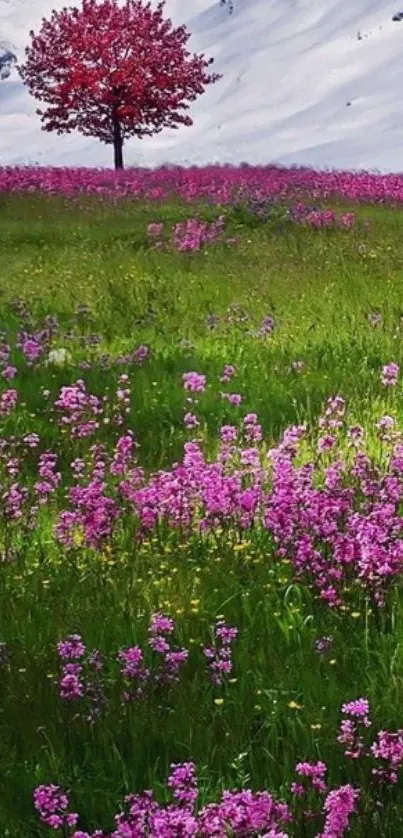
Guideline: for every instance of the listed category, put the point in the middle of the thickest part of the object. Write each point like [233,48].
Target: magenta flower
[315,772]
[228,433]
[52,804]
[219,656]
[182,781]
[71,686]
[358,709]
[338,807]
[72,648]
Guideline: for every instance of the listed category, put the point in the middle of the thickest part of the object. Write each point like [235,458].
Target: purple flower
[160,624]
[8,402]
[31,349]
[228,373]
[267,326]
[191,421]
[326,443]
[51,804]
[390,374]
[72,648]
[141,354]
[323,645]
[70,685]
[228,433]
[9,372]
[233,398]
[132,660]
[314,772]
[219,656]
[194,382]
[183,783]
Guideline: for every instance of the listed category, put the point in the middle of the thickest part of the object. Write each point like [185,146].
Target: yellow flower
[332,662]
[294,706]
[219,701]
[355,614]
[316,727]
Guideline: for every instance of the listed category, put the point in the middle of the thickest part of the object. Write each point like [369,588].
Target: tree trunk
[117,144]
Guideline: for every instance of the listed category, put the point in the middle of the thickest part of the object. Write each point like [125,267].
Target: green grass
[320,286]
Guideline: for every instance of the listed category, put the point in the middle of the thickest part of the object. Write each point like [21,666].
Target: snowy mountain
[311,82]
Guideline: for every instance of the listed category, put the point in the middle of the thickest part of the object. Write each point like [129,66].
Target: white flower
[59,357]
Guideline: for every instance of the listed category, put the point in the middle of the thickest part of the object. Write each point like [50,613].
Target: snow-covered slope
[312,82]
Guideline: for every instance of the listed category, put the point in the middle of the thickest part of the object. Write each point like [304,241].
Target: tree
[113,71]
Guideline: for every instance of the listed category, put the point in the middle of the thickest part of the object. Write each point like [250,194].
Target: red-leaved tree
[112,71]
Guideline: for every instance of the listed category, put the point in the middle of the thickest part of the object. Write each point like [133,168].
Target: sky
[305,82]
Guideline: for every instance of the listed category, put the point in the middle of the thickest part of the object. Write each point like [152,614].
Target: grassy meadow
[335,297]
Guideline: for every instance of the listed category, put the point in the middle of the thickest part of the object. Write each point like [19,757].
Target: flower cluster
[82,671]
[52,806]
[238,813]
[80,410]
[314,772]
[81,675]
[220,184]
[190,235]
[195,382]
